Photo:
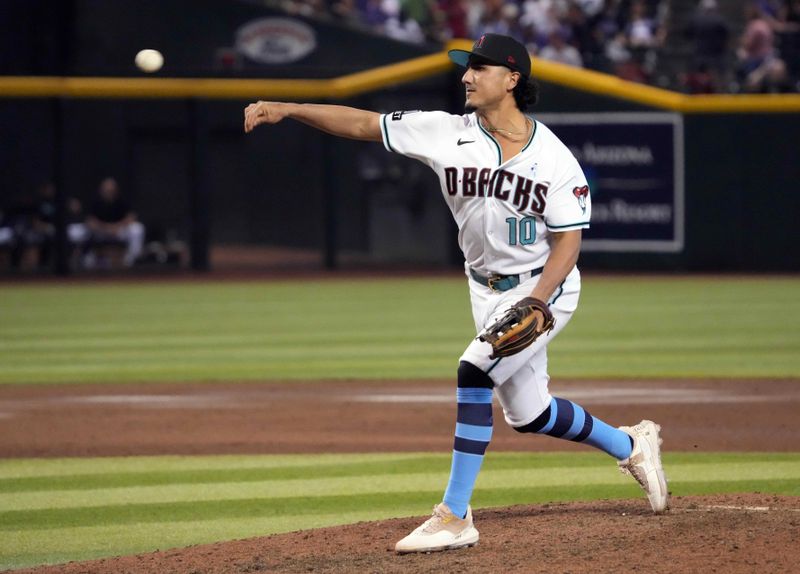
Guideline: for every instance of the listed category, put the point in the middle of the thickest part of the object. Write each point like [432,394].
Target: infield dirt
[359,416]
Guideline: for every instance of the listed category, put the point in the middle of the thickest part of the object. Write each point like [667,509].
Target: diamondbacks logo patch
[581,193]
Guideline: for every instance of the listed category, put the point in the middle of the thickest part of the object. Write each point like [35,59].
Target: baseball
[149,60]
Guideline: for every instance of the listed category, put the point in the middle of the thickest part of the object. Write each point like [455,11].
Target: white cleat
[442,531]
[644,463]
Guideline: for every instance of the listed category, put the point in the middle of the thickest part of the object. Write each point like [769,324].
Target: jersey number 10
[523,229]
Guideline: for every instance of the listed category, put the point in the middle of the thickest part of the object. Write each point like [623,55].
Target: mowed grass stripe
[33,547]
[35,535]
[336,350]
[52,545]
[187,477]
[24,547]
[144,341]
[80,333]
[392,482]
[34,475]
[143,465]
[154,491]
[357,368]
[387,502]
[212,352]
[187,511]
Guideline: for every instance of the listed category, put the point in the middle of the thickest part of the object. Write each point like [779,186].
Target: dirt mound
[730,534]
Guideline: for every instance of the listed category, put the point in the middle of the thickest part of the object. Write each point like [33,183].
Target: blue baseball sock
[473,433]
[567,420]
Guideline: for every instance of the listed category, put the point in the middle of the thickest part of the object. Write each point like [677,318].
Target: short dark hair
[526,93]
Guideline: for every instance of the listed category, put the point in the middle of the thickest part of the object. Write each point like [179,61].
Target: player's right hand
[263,113]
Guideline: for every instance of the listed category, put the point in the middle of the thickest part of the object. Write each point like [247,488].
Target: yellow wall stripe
[383,77]
[394,74]
[160,88]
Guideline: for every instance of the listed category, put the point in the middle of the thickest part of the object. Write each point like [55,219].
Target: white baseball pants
[520,380]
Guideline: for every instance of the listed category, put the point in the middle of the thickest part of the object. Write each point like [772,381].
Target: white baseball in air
[149,60]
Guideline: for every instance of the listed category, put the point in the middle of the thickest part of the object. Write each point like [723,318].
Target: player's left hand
[519,327]
[263,113]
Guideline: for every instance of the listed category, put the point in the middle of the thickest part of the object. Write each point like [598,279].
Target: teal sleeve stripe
[579,224]
[385,133]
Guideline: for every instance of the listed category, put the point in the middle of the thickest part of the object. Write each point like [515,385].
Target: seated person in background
[43,228]
[111,218]
[7,235]
[15,219]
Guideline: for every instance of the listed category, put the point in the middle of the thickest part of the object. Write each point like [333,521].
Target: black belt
[503,282]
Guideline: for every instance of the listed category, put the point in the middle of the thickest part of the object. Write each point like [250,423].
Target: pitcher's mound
[730,534]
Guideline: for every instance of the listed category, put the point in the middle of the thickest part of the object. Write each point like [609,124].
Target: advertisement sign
[634,165]
[276,40]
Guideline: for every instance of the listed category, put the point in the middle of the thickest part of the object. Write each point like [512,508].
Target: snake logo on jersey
[500,184]
[581,193]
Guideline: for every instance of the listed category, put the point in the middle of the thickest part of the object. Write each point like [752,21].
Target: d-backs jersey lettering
[505,209]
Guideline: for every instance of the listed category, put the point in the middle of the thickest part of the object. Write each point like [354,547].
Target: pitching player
[520,200]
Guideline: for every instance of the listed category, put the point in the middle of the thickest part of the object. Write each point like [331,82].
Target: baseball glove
[519,327]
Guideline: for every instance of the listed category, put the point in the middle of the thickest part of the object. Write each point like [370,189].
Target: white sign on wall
[275,40]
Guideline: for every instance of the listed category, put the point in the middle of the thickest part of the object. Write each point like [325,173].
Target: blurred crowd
[768,51]
[107,231]
[622,37]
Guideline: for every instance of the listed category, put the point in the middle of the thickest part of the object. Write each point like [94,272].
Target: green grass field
[68,509]
[392,328]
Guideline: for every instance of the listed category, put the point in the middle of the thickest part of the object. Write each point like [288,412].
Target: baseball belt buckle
[492,279]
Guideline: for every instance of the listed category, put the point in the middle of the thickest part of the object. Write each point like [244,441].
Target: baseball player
[520,200]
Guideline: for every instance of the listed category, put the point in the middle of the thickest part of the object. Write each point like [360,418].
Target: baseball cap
[497,49]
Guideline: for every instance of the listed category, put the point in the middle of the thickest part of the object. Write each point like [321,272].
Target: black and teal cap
[496,49]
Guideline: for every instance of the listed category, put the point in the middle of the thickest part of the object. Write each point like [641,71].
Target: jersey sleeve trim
[385,134]
[533,134]
[579,225]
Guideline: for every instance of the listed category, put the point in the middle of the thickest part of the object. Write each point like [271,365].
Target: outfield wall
[288,185]
[741,183]
[177,146]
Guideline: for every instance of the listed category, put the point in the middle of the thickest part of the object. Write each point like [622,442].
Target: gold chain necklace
[492,129]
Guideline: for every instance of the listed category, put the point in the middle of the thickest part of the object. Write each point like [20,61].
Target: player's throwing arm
[340,121]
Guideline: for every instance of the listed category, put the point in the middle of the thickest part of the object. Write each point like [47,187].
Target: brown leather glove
[519,327]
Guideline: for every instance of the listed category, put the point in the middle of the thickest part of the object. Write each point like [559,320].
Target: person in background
[558,50]
[8,237]
[708,33]
[787,28]
[760,69]
[43,224]
[111,218]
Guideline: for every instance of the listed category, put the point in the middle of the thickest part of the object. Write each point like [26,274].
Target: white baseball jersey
[505,209]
